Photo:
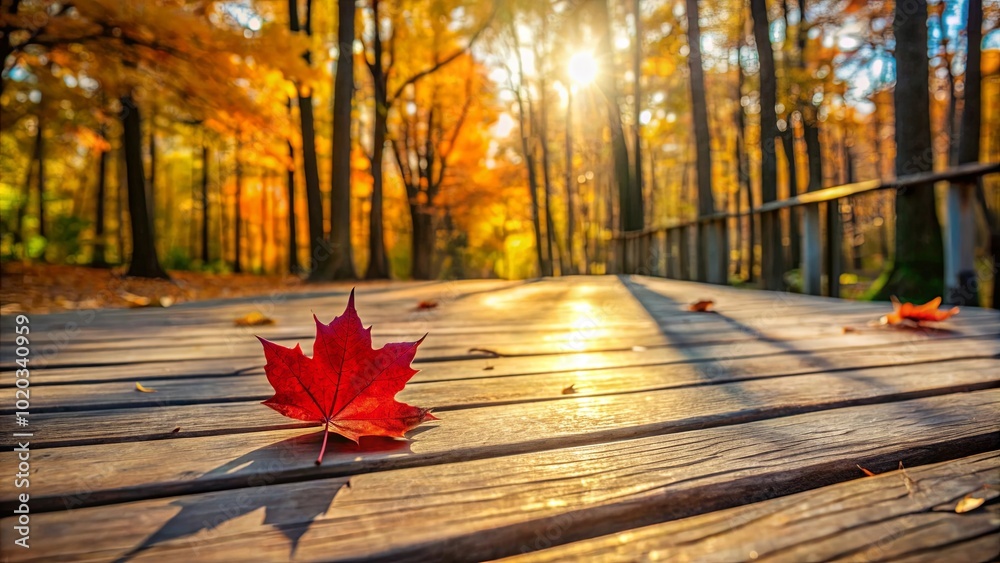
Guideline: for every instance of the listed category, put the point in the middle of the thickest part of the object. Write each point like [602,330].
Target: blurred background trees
[437,138]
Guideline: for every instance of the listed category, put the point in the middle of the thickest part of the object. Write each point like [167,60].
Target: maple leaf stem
[326,434]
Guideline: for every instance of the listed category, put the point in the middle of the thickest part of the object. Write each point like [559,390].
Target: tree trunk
[788,142]
[144,262]
[917,271]
[544,266]
[151,188]
[378,261]
[238,215]
[742,164]
[293,236]
[543,141]
[422,242]
[98,259]
[810,134]
[6,45]
[630,212]
[637,185]
[968,151]
[702,134]
[205,259]
[570,204]
[338,263]
[310,166]
[772,269]
[40,152]
[262,224]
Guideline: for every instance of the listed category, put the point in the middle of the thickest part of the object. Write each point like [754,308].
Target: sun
[582,68]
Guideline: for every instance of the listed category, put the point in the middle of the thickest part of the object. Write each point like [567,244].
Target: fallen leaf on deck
[134,300]
[866,472]
[702,306]
[347,386]
[253,319]
[429,304]
[916,314]
[140,388]
[488,367]
[569,390]
[969,503]
[175,430]
[166,301]
[846,329]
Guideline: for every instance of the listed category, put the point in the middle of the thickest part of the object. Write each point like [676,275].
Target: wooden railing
[699,249]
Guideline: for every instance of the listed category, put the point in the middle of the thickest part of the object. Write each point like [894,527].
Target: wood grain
[866,519]
[202,447]
[484,509]
[451,385]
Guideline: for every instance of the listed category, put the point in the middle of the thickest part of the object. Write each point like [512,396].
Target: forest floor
[45,288]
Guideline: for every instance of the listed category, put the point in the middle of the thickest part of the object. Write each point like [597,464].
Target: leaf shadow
[241,486]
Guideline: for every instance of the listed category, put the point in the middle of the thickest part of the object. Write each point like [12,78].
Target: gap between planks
[136,470]
[483,509]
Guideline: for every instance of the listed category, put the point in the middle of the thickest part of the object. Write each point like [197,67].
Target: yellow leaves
[143,389]
[90,139]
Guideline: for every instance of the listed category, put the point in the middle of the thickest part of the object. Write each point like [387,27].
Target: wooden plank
[589,336]
[200,452]
[869,519]
[164,421]
[855,343]
[484,509]
[744,316]
[467,386]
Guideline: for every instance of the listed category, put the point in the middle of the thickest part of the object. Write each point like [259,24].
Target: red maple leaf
[347,385]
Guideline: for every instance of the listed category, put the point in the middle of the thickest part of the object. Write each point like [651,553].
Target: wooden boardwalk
[581,417]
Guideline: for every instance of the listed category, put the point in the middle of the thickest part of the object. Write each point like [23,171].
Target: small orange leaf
[569,390]
[140,388]
[866,472]
[253,319]
[702,306]
[429,304]
[847,329]
[969,503]
[928,312]
[134,300]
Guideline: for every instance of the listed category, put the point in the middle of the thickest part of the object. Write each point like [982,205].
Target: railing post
[713,266]
[663,264]
[771,250]
[674,260]
[684,252]
[959,242]
[812,253]
[834,240]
